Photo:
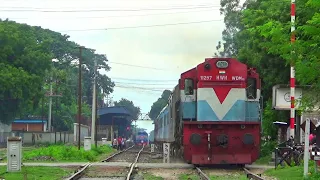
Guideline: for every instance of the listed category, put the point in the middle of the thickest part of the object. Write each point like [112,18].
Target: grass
[229,177]
[226,177]
[263,160]
[39,173]
[293,173]
[148,176]
[66,153]
[189,177]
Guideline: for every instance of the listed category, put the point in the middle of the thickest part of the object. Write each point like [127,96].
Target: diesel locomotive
[213,115]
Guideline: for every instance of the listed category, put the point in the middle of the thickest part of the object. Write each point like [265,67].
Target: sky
[148,43]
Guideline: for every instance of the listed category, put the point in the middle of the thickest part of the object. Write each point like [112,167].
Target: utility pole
[94,104]
[50,105]
[96,135]
[79,98]
[50,97]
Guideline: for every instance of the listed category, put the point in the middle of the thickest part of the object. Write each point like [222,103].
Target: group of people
[119,143]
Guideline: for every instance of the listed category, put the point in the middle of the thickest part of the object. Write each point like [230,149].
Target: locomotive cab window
[188,86]
[251,88]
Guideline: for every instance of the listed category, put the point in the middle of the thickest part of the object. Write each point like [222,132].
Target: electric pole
[50,97]
[94,104]
[79,98]
[50,105]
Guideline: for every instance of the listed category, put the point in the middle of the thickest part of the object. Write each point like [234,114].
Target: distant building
[34,125]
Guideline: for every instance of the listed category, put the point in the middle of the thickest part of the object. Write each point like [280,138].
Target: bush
[66,153]
[267,147]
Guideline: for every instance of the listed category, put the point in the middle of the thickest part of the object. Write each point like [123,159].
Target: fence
[29,138]
[3,138]
[84,131]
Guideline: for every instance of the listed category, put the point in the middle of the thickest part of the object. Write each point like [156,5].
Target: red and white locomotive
[213,115]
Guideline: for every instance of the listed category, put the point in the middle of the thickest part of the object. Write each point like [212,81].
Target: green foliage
[134,110]
[23,60]
[258,34]
[270,116]
[36,172]
[159,104]
[26,67]
[267,147]
[294,173]
[67,153]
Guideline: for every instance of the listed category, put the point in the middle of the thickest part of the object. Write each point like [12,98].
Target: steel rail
[134,163]
[115,154]
[202,174]
[80,172]
[251,175]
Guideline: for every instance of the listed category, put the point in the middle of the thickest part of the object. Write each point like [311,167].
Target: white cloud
[176,48]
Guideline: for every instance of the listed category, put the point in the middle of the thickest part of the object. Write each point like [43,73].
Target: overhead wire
[32,7]
[143,80]
[132,65]
[132,15]
[153,84]
[142,26]
[141,88]
[104,10]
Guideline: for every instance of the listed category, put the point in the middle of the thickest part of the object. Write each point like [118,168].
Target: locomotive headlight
[195,139]
[222,64]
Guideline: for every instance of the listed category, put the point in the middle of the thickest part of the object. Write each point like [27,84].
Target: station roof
[29,121]
[116,115]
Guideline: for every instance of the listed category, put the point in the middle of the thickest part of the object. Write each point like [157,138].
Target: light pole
[50,97]
[79,97]
[94,103]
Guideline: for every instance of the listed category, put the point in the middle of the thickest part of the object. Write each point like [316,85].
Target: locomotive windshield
[188,86]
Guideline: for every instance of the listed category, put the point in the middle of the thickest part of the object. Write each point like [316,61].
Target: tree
[258,34]
[25,59]
[159,104]
[129,105]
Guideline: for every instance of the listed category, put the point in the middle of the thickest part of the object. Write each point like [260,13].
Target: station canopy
[115,115]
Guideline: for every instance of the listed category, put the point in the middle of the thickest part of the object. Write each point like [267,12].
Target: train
[142,138]
[213,115]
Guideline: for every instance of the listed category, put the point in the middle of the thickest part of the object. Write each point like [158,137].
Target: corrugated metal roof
[116,110]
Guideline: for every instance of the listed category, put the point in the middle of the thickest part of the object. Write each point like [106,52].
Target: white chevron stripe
[211,97]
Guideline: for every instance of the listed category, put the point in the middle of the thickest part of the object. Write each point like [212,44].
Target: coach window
[252,88]
[188,86]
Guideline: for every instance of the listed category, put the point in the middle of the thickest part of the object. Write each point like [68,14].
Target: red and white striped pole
[292,70]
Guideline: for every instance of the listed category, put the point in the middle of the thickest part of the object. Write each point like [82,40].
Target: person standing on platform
[119,143]
[115,143]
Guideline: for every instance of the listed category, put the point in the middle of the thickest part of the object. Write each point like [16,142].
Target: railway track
[202,174]
[81,170]
[134,164]
[251,175]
